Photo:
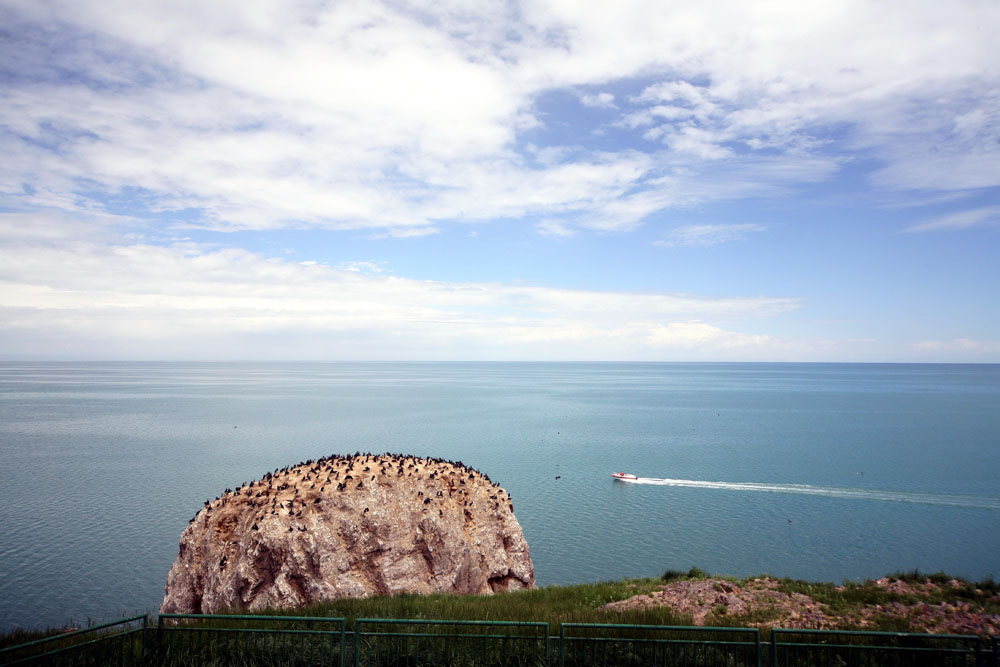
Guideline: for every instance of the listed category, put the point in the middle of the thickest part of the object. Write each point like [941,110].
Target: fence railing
[116,643]
[889,649]
[408,643]
[609,645]
[248,641]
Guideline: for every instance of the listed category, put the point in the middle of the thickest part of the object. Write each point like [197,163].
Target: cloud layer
[126,126]
[195,303]
[370,115]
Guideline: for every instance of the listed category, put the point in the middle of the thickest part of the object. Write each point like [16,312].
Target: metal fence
[116,643]
[863,649]
[410,643]
[608,645]
[185,639]
[251,641]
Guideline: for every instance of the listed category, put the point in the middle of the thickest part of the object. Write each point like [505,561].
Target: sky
[778,180]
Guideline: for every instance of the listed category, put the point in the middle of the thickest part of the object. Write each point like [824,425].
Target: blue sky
[779,181]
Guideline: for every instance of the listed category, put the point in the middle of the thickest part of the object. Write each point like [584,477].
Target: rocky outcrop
[712,601]
[349,526]
[759,602]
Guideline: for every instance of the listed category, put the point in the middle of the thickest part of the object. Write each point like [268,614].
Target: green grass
[966,589]
[15,637]
[552,604]
[849,600]
[580,603]
[677,575]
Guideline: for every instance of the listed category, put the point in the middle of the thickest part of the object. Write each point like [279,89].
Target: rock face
[349,526]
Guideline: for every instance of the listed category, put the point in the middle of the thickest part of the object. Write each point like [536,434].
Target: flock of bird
[304,487]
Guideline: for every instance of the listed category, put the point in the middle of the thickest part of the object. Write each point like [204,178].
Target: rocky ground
[925,606]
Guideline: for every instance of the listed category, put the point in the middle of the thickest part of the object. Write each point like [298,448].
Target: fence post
[357,641]
[142,637]
[145,640]
[562,645]
[343,637]
[158,647]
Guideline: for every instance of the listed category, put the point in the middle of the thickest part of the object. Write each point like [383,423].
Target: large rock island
[349,526]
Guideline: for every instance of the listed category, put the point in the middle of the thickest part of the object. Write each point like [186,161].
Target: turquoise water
[819,471]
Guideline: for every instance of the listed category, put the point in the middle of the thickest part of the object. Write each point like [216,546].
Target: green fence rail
[116,643]
[412,643]
[252,641]
[186,639]
[807,648]
[611,645]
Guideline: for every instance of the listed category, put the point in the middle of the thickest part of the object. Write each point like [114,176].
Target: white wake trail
[949,500]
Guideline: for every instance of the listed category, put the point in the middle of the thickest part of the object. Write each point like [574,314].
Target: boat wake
[948,500]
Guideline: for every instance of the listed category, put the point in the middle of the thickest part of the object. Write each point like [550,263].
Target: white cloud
[787,75]
[700,143]
[409,232]
[370,267]
[957,348]
[55,228]
[703,235]
[986,215]
[554,228]
[181,301]
[599,100]
[388,116]
[402,118]
[701,335]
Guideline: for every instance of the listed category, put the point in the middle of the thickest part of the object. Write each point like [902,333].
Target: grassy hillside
[901,602]
[852,605]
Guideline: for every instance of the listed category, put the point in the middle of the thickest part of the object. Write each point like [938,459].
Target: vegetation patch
[908,602]
[901,602]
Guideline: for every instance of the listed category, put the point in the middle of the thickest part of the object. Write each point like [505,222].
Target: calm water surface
[818,471]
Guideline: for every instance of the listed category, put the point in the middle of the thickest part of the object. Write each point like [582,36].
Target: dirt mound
[720,598]
[760,602]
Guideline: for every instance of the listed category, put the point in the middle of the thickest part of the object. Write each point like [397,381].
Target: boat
[623,475]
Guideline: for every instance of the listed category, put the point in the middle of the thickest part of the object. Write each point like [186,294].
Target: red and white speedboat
[623,475]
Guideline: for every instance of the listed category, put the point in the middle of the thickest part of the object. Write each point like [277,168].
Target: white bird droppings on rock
[349,526]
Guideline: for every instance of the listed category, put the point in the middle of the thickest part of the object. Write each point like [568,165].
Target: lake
[815,471]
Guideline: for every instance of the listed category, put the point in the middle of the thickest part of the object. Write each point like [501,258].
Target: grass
[851,596]
[677,575]
[581,603]
[965,589]
[15,637]
[578,603]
